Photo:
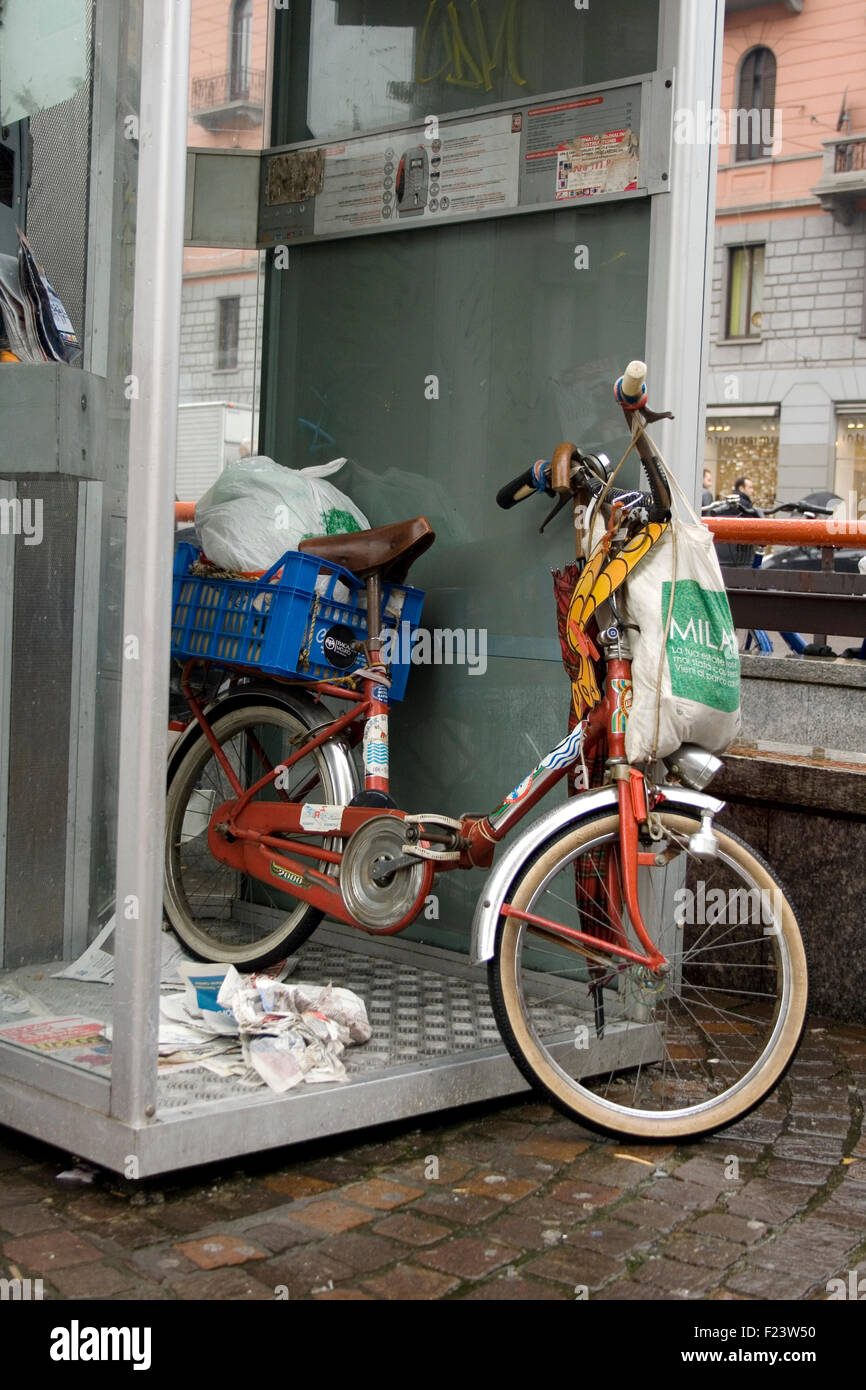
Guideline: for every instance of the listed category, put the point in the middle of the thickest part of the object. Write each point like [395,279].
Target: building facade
[787,381]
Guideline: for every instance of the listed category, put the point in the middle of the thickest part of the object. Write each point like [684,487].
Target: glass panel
[62,679]
[43,56]
[746,291]
[756,298]
[221,324]
[736,315]
[442,364]
[385,62]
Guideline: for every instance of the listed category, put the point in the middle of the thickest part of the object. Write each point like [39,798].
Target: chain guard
[380,905]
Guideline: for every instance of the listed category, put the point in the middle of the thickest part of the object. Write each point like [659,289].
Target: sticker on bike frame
[566,751]
[622,690]
[317,817]
[376,746]
[558,758]
[286,874]
[380,693]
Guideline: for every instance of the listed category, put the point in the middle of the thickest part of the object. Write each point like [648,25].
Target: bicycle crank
[380,885]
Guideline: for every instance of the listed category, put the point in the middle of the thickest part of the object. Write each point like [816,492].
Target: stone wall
[200,380]
[797,795]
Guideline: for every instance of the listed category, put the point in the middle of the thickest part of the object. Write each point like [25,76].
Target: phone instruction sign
[543,153]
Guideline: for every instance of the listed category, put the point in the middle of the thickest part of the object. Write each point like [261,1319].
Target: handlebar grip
[630,390]
[514,492]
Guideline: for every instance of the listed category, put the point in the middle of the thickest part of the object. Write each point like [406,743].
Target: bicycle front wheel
[619,1048]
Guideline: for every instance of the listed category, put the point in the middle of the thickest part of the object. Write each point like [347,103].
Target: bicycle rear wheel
[220,914]
[635,1054]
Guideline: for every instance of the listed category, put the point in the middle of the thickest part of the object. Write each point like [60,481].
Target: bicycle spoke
[214,901]
[687,1039]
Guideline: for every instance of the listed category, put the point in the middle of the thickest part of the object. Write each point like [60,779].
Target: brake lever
[561,502]
[651,416]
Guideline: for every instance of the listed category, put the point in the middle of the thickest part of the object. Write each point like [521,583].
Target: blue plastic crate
[277,625]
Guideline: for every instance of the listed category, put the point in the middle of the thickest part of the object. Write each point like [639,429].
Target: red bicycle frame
[251,836]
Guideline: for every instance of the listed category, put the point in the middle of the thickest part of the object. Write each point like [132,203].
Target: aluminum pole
[682,231]
[149,550]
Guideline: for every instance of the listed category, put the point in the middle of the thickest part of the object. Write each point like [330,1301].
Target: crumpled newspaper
[293,1032]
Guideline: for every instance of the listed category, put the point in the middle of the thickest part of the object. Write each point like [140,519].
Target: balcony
[843,178]
[228,100]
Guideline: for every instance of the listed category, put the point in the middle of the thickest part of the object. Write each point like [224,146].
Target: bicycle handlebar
[567,466]
[524,485]
[630,390]
[804,508]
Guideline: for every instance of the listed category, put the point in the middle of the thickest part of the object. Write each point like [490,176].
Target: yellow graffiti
[462,67]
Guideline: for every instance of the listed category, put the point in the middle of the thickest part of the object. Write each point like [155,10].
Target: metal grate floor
[423,1004]
[435,1046]
[416,1014]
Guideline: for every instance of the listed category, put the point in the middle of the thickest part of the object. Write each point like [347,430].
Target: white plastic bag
[257,510]
[688,646]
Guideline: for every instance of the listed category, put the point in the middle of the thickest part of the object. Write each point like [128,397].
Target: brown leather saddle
[390,550]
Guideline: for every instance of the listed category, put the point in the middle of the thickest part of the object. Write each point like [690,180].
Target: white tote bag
[685,662]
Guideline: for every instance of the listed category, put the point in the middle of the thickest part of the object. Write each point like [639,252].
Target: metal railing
[754,531]
[778,600]
[826,532]
[844,166]
[226,88]
[850,154]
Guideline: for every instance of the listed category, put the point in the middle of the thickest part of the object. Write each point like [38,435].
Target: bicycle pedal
[425,852]
[423,828]
[433,820]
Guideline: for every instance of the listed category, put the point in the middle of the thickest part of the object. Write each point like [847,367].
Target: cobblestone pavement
[505,1201]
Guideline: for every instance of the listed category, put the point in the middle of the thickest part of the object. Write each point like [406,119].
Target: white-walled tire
[678,1056]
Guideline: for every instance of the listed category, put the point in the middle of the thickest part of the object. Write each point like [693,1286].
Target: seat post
[374,615]
[376,771]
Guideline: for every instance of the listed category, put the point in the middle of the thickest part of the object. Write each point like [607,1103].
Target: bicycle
[594,926]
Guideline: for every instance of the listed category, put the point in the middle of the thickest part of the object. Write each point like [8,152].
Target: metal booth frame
[123,1122]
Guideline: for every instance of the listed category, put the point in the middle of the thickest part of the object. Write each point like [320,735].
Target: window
[740,446]
[240,48]
[745,291]
[850,481]
[756,100]
[229,311]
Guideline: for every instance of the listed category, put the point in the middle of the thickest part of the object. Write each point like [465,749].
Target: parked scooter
[736,504]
